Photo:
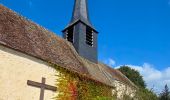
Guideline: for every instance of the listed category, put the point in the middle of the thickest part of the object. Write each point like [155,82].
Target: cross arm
[39,85]
[32,83]
[52,88]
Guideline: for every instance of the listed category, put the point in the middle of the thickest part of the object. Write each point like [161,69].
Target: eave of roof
[81,21]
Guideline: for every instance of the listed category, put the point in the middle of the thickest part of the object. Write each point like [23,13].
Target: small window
[89,36]
[69,34]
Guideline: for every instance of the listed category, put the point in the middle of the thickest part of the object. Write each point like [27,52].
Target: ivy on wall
[66,85]
[93,90]
[72,86]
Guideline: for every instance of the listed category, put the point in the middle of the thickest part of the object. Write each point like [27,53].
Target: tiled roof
[25,36]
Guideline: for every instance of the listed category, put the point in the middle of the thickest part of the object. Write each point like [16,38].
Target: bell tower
[81,33]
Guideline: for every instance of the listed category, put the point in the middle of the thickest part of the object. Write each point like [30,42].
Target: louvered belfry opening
[70,34]
[89,36]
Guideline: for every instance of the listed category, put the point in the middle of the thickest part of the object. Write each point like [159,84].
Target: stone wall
[122,89]
[16,68]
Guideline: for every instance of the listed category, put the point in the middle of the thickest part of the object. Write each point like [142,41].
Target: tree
[133,75]
[142,93]
[165,95]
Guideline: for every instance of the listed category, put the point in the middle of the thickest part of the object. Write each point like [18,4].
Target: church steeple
[81,33]
[80,11]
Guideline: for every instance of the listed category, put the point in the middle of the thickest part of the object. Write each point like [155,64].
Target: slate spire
[80,11]
[81,33]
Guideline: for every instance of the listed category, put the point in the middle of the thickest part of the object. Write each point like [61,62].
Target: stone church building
[27,48]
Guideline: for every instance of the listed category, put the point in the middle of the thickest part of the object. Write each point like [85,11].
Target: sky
[131,32]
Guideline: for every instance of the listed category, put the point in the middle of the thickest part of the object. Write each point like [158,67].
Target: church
[36,64]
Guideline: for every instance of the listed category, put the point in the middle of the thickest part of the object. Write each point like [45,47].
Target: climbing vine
[93,90]
[66,84]
[72,86]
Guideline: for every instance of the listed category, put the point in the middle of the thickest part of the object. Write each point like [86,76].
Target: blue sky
[131,32]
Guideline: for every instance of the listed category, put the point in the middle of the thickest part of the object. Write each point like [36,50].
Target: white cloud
[153,77]
[110,62]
